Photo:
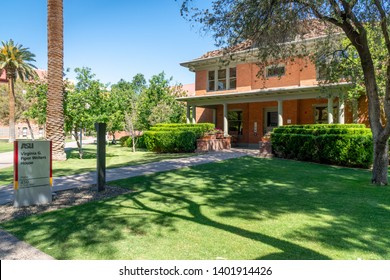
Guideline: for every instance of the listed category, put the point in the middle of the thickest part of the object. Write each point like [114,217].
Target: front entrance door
[270,117]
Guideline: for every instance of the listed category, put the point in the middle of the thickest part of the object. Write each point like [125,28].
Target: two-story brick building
[247,101]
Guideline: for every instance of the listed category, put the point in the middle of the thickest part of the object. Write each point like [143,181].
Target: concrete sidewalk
[13,249]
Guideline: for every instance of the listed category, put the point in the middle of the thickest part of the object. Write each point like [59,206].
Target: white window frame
[275,66]
[227,70]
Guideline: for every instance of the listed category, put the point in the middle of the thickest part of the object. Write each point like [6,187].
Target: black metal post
[101,155]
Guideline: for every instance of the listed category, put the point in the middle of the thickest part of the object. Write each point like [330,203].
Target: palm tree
[55,95]
[14,60]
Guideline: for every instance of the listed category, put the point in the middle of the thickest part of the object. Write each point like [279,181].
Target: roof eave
[193,63]
[268,91]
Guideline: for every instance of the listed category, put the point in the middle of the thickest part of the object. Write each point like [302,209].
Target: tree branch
[350,15]
[383,24]
[335,7]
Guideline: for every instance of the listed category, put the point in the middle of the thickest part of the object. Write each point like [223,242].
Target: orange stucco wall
[250,77]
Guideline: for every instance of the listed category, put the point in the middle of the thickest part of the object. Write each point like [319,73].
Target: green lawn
[6,147]
[247,208]
[116,156]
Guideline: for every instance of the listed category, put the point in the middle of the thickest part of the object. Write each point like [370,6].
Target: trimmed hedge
[346,145]
[175,138]
[199,129]
[127,141]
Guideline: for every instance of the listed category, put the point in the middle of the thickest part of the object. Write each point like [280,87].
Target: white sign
[32,172]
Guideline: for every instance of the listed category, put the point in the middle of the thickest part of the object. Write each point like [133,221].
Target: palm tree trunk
[55,111]
[11,96]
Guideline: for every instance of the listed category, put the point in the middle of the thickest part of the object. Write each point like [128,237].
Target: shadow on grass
[343,213]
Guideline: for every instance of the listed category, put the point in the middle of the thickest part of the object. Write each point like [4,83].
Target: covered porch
[261,110]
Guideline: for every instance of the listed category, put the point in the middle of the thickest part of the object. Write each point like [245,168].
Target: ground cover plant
[117,156]
[246,208]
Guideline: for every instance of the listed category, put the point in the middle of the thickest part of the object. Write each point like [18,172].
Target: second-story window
[211,85]
[222,79]
[232,78]
[275,71]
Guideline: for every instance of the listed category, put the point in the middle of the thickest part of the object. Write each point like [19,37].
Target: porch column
[225,119]
[193,114]
[341,109]
[188,114]
[330,110]
[280,113]
[214,116]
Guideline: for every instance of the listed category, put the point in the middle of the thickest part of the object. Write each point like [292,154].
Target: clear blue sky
[115,38]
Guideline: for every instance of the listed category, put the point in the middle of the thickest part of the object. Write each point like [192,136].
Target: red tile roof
[310,29]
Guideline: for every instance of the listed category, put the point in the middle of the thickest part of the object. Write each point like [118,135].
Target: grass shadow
[299,210]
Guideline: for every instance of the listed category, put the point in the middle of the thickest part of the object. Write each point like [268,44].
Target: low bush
[122,140]
[127,141]
[346,145]
[175,138]
[170,141]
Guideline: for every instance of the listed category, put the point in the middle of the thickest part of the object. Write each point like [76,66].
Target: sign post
[101,156]
[32,172]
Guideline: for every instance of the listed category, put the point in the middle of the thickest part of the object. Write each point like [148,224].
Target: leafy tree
[36,98]
[15,60]
[125,95]
[269,24]
[161,113]
[159,91]
[22,104]
[85,104]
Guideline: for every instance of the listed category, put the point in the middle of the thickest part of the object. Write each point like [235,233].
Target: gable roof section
[311,30]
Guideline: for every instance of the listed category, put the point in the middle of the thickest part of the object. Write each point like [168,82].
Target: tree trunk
[133,142]
[77,138]
[30,128]
[11,96]
[380,137]
[55,111]
[381,162]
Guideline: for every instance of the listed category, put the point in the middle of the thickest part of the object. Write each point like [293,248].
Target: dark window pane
[211,75]
[222,74]
[235,122]
[272,119]
[211,85]
[221,84]
[233,83]
[276,71]
[232,72]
